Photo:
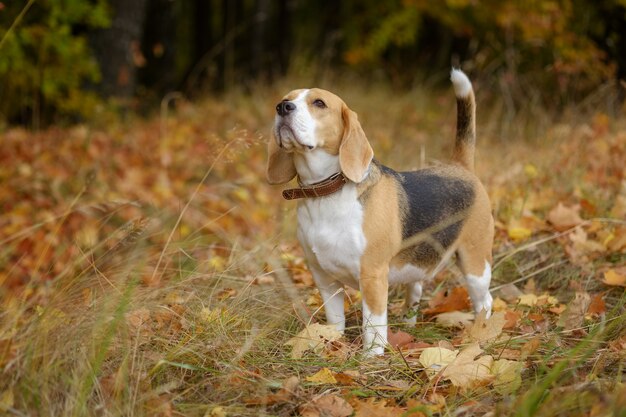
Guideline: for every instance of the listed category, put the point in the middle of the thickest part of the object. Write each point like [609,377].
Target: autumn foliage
[147,269]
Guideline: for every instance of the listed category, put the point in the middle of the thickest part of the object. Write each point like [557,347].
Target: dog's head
[310,119]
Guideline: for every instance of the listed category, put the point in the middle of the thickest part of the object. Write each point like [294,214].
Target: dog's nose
[285,107]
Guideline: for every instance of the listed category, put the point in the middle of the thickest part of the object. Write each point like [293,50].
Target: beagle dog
[365,225]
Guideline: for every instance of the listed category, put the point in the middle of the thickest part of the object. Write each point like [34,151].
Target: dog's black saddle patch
[437,204]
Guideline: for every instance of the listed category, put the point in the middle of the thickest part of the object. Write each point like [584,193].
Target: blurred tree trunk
[284,36]
[118,48]
[261,16]
[159,46]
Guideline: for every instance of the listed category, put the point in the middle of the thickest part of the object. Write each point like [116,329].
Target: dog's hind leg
[477,280]
[411,301]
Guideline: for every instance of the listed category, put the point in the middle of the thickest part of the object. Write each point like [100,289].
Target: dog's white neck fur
[315,165]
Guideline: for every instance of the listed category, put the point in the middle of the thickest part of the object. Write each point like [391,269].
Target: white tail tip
[462,84]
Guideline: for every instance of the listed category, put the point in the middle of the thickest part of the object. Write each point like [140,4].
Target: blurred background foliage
[65,60]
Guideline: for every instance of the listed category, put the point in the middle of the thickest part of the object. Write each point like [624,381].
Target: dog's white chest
[330,230]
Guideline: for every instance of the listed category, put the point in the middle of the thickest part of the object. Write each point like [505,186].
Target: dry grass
[148,270]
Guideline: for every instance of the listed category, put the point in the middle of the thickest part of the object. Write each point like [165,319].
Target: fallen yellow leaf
[465,372]
[519,233]
[527,299]
[613,278]
[323,376]
[498,304]
[507,375]
[434,359]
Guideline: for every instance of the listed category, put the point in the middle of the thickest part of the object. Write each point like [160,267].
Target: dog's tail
[465,121]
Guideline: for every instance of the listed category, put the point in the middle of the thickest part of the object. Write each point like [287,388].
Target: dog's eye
[319,103]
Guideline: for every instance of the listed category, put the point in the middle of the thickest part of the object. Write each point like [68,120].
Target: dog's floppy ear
[280,167]
[355,152]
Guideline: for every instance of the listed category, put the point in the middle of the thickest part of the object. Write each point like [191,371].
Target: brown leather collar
[328,186]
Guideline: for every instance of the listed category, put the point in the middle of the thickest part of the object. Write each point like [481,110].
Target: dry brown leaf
[138,318]
[314,337]
[597,306]
[485,329]
[288,389]
[563,217]
[530,347]
[458,319]
[373,407]
[327,405]
[347,377]
[574,315]
[617,241]
[510,319]
[455,299]
[399,339]
[582,247]
[618,211]
[415,407]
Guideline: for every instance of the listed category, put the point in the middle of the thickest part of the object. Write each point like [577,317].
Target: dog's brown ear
[355,152]
[280,167]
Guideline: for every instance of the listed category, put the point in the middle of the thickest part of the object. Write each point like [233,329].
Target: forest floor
[148,269]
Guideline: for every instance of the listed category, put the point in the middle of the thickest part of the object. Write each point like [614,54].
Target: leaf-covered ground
[147,269]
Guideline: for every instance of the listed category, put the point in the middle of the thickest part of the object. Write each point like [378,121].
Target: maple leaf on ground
[582,247]
[465,372]
[375,408]
[563,217]
[508,375]
[486,329]
[455,299]
[510,319]
[314,337]
[327,405]
[434,359]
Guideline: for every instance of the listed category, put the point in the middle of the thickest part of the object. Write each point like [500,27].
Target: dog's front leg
[374,287]
[332,293]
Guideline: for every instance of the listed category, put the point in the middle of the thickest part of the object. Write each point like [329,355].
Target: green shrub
[45,61]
